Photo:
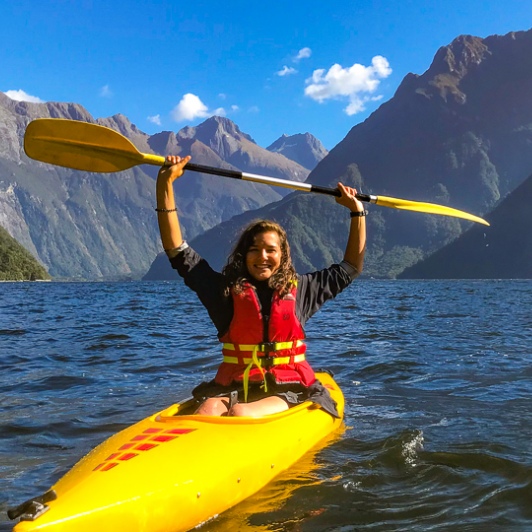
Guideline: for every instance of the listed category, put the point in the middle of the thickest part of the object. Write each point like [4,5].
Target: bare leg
[263,407]
[219,406]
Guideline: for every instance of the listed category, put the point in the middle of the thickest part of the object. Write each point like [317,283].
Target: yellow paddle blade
[82,146]
[429,208]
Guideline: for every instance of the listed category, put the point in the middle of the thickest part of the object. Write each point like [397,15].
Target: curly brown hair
[235,271]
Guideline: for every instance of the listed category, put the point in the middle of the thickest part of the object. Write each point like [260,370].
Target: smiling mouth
[262,268]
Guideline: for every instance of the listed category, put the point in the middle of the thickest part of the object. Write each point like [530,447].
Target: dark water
[437,377]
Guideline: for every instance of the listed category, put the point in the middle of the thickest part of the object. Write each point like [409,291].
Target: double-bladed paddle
[94,148]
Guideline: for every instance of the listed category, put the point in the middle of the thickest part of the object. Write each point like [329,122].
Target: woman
[259,306]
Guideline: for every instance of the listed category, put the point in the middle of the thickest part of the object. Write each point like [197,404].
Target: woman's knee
[240,409]
[214,406]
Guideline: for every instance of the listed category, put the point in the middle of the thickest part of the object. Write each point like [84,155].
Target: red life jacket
[281,354]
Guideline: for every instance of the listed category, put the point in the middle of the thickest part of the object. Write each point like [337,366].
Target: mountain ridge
[303,148]
[95,226]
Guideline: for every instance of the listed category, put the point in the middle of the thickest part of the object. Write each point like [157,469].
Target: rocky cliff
[93,226]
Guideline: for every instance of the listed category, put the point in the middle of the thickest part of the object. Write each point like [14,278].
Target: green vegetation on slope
[16,263]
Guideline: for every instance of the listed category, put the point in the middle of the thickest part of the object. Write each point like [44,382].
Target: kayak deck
[173,470]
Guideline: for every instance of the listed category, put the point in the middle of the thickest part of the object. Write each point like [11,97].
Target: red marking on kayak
[128,456]
[163,438]
[179,431]
[153,433]
[329,386]
[108,466]
[146,446]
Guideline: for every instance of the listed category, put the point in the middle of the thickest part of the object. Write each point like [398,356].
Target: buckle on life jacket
[267,347]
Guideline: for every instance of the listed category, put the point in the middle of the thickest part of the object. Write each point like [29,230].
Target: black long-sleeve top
[313,289]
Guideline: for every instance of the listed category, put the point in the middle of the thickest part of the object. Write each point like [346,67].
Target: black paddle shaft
[234,174]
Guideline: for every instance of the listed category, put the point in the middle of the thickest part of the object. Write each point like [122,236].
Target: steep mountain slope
[460,135]
[79,225]
[84,225]
[502,251]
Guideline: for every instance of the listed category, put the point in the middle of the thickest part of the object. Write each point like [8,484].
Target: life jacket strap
[265,347]
[265,361]
[255,361]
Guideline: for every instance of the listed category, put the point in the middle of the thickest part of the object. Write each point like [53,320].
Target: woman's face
[264,256]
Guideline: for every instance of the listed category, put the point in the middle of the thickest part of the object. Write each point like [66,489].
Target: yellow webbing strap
[255,361]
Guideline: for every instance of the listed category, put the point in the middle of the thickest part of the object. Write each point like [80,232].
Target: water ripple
[436,376]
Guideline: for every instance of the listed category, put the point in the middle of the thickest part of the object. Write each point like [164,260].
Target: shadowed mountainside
[502,251]
[460,135]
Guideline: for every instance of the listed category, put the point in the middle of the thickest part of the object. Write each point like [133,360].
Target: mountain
[501,251]
[16,263]
[78,224]
[238,149]
[103,226]
[460,134]
[303,148]
[205,200]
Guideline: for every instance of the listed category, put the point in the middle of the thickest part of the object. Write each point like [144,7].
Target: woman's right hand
[173,168]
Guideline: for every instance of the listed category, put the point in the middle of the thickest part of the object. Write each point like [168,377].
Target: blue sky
[272,67]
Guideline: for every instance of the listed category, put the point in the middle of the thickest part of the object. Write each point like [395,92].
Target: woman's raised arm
[356,242]
[169,226]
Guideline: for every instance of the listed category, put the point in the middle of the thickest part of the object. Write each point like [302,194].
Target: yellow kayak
[174,470]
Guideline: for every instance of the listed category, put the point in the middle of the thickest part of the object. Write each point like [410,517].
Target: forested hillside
[17,263]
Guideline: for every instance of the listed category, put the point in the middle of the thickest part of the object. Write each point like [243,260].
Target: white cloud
[191,107]
[105,92]
[356,83]
[304,53]
[286,71]
[235,108]
[156,119]
[357,105]
[22,96]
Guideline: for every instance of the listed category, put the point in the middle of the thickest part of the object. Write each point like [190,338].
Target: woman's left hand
[348,198]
